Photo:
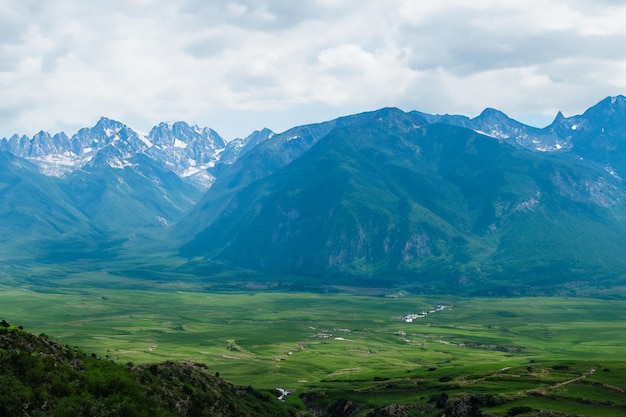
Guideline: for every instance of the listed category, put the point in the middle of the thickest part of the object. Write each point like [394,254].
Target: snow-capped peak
[189,151]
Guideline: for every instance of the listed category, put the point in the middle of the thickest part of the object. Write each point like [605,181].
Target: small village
[409,318]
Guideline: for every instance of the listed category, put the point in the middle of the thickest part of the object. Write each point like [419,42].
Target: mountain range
[386,198]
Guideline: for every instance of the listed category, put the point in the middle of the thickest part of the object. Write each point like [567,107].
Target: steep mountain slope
[271,155]
[599,134]
[291,144]
[115,197]
[35,208]
[133,199]
[389,196]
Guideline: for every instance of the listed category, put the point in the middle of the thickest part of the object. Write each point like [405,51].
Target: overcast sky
[238,66]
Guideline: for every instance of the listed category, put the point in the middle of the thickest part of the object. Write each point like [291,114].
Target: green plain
[355,346]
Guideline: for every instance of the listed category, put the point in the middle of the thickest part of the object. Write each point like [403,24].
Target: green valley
[559,354]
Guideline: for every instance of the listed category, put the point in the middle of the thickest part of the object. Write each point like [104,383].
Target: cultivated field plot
[560,353]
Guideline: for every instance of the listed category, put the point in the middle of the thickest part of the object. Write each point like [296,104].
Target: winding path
[544,390]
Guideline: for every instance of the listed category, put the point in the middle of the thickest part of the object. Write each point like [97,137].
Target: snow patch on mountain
[144,138]
[496,134]
[188,151]
[119,163]
[612,172]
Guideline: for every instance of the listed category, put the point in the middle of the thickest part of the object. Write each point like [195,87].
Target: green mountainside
[35,208]
[89,213]
[435,207]
[39,377]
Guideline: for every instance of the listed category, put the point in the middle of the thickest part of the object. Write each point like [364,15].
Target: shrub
[519,410]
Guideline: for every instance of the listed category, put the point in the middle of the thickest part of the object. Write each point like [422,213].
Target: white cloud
[240,65]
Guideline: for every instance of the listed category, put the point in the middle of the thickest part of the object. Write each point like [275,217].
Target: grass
[356,345]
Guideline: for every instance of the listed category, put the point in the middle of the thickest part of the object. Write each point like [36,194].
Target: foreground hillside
[39,377]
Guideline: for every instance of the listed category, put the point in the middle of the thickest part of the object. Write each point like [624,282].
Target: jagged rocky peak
[103,133]
[186,150]
[191,151]
[610,109]
[106,128]
[559,117]
[180,134]
[43,144]
[258,136]
[239,146]
[562,130]
[607,117]
[40,144]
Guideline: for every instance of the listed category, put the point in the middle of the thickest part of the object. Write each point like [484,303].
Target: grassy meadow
[565,354]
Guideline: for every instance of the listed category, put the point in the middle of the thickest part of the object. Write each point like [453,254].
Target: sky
[239,66]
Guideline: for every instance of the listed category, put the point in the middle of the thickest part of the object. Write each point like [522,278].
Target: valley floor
[559,354]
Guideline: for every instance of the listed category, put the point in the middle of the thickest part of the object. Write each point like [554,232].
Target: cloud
[243,64]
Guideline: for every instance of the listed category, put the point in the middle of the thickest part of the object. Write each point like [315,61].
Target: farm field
[561,354]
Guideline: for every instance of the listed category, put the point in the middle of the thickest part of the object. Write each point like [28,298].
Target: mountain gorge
[429,202]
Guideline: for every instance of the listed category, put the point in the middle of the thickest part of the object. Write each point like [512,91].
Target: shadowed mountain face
[90,210]
[33,207]
[430,205]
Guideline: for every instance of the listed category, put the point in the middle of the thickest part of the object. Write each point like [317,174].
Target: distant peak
[42,133]
[105,121]
[612,105]
[386,112]
[490,112]
[182,125]
[612,101]
[559,117]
